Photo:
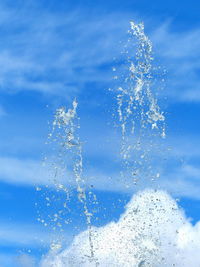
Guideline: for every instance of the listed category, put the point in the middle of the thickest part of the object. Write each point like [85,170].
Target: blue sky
[53,51]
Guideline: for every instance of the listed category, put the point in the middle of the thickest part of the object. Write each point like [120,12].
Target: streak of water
[139,114]
[68,123]
[140,120]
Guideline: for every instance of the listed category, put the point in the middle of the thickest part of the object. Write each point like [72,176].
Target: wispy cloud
[25,172]
[59,55]
[29,237]
[24,235]
[28,172]
[104,173]
[56,54]
[180,55]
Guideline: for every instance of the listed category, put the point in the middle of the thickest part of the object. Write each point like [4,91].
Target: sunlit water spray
[134,240]
[68,126]
[140,117]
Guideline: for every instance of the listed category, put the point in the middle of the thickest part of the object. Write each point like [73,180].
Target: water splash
[137,91]
[138,111]
[140,120]
[68,123]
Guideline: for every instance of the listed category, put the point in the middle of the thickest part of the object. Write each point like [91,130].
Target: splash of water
[68,123]
[139,114]
[137,92]
[139,117]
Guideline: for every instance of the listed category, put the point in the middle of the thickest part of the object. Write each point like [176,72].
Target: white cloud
[58,54]
[184,146]
[180,55]
[30,172]
[25,235]
[17,171]
[103,178]
[152,231]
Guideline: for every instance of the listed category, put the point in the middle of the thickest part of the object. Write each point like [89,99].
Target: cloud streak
[25,235]
[27,172]
[61,55]
[179,53]
[57,55]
